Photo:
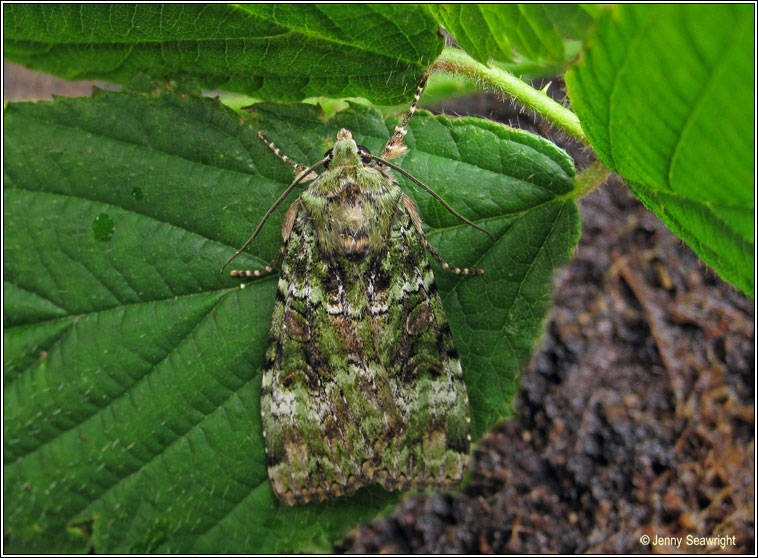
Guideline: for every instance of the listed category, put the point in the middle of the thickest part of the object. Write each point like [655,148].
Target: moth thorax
[357,230]
[354,227]
[354,244]
[351,205]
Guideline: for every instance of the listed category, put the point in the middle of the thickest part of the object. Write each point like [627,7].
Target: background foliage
[272,51]
[665,95]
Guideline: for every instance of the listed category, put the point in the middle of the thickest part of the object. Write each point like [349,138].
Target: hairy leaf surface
[535,32]
[269,51]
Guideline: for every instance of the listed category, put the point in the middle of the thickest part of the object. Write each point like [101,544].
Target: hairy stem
[591,178]
[458,62]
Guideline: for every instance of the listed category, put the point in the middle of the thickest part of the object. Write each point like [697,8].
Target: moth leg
[395,146]
[260,271]
[299,169]
[447,267]
[410,205]
[289,222]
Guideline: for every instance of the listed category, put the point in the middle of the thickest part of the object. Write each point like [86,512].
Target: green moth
[362,381]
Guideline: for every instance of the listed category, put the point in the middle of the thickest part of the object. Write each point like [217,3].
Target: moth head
[346,151]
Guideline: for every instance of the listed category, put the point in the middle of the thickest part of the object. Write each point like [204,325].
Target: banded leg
[395,147]
[446,266]
[261,271]
[410,205]
[299,169]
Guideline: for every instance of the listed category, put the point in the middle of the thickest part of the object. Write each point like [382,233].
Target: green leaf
[132,366]
[535,31]
[666,97]
[270,51]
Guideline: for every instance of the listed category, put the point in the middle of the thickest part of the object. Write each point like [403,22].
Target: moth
[362,382]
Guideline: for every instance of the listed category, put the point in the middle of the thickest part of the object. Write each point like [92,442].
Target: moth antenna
[273,208]
[434,194]
[299,168]
[395,146]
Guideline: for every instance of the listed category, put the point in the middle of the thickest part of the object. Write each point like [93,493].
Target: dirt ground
[635,417]
[636,414]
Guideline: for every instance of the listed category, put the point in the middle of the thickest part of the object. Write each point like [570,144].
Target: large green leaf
[132,367]
[271,51]
[666,96]
[535,31]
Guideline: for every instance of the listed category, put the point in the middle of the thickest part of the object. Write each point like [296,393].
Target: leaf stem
[591,178]
[456,61]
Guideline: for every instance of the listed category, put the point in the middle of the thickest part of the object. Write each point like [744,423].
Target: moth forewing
[362,381]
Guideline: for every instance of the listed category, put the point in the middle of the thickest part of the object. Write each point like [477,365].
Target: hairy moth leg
[446,266]
[395,146]
[299,168]
[289,222]
[260,271]
[410,205]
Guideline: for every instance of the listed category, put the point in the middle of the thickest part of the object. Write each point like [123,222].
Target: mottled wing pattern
[362,381]
[320,392]
[430,446]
